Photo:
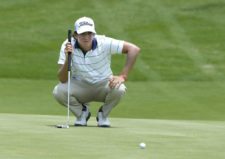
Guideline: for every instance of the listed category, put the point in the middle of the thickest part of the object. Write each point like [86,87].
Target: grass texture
[180,40]
[155,100]
[34,136]
[175,98]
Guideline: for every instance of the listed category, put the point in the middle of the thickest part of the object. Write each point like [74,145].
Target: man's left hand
[116,81]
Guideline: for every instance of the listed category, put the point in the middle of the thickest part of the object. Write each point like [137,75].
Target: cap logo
[85,23]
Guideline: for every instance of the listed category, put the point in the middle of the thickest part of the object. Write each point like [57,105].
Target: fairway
[34,136]
[150,100]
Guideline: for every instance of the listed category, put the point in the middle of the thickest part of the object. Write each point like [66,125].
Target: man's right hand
[68,48]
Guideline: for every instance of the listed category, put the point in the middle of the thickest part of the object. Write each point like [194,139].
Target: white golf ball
[142,145]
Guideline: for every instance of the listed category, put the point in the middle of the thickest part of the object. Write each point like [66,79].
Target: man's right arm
[63,68]
[62,73]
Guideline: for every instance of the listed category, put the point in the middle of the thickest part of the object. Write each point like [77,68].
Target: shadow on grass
[83,127]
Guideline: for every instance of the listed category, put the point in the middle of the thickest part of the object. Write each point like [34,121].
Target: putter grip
[69,53]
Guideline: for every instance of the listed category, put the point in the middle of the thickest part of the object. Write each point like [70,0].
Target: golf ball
[142,145]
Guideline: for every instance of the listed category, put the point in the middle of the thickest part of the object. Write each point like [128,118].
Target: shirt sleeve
[62,56]
[114,46]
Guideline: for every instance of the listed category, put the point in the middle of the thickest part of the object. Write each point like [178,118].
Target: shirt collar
[94,44]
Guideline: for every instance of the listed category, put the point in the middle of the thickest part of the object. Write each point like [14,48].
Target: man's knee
[120,91]
[60,92]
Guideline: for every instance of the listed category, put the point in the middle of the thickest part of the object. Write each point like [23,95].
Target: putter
[68,88]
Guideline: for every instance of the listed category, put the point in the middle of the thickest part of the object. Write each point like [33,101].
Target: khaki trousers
[82,92]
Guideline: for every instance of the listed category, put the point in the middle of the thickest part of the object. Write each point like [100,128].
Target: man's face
[85,40]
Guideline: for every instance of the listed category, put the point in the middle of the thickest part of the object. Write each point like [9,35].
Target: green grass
[180,40]
[155,100]
[34,136]
[177,85]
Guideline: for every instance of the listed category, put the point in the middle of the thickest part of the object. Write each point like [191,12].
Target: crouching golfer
[91,75]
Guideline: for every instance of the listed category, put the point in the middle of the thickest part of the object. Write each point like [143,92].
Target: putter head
[63,126]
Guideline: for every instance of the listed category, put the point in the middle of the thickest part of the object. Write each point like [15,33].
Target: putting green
[34,136]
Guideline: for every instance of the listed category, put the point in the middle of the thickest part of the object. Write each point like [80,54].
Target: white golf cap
[84,24]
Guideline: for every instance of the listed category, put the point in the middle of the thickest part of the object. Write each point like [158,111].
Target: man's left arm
[131,52]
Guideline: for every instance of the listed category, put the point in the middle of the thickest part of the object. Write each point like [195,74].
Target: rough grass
[180,40]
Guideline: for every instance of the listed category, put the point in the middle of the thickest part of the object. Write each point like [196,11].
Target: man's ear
[75,35]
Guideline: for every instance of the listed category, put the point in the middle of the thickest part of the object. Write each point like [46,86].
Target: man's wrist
[124,77]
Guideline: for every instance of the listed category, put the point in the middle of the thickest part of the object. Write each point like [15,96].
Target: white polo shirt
[94,66]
